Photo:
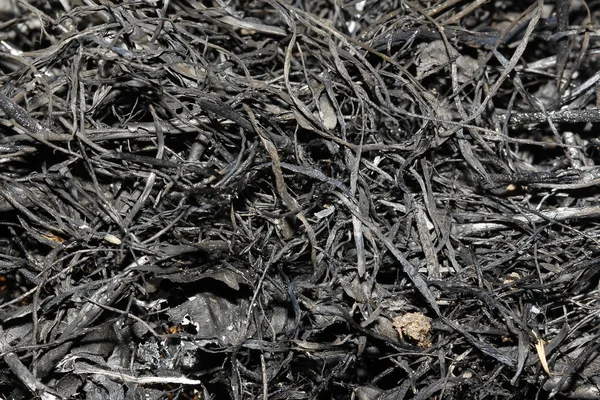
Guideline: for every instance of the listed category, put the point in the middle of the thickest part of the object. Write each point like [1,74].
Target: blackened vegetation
[299,200]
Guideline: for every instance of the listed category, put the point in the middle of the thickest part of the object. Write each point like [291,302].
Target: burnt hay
[299,199]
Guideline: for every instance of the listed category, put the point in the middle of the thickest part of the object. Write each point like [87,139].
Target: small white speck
[112,239]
